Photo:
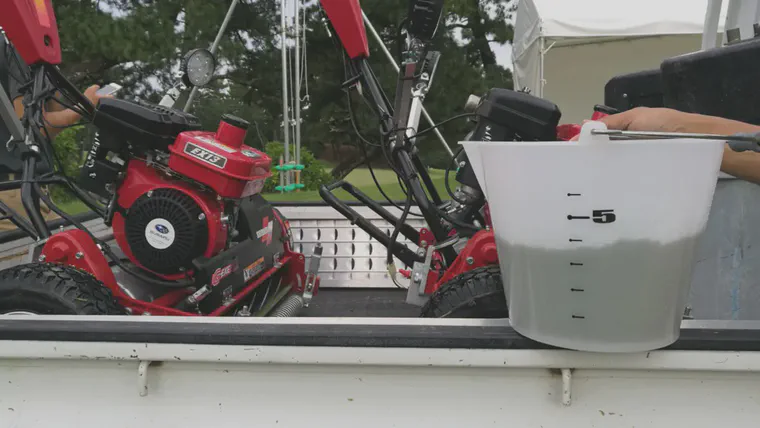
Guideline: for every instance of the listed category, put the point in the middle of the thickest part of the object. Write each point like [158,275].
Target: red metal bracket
[479,251]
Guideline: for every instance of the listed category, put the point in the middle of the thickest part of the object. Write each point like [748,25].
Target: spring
[290,307]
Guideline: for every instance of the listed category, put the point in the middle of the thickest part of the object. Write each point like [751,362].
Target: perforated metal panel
[350,258]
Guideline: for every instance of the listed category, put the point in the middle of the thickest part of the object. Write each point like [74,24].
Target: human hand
[92,95]
[647,119]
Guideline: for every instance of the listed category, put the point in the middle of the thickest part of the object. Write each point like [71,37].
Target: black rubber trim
[362,336]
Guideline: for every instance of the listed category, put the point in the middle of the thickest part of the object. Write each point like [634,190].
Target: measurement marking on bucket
[574,217]
[598,216]
[577,290]
[576,240]
[573,194]
[576,264]
[579,317]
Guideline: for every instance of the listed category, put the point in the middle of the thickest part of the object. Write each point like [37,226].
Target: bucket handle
[586,137]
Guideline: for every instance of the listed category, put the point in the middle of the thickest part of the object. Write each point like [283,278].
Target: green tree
[139,44]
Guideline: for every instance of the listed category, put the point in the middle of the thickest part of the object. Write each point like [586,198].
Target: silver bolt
[41,258]
[462,164]
[79,255]
[417,277]
[470,260]
[201,216]
[150,193]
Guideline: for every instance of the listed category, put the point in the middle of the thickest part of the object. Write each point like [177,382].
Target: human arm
[740,164]
[56,116]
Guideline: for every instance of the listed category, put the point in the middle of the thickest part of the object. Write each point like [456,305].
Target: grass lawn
[360,178]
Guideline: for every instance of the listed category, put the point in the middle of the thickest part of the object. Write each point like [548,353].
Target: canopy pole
[297,90]
[285,113]
[395,67]
[541,81]
[712,21]
[214,46]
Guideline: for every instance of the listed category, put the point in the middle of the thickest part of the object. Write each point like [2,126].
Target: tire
[478,293]
[53,289]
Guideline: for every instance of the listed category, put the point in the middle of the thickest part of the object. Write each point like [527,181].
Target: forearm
[701,124]
[56,121]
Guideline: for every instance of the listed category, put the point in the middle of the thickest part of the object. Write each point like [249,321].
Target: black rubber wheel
[52,289]
[478,293]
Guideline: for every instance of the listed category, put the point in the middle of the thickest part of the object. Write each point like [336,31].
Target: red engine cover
[31,26]
[140,179]
[232,172]
[346,18]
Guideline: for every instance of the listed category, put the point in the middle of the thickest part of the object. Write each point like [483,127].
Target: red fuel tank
[232,172]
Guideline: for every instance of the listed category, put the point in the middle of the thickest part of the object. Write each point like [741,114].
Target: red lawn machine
[455,272]
[194,235]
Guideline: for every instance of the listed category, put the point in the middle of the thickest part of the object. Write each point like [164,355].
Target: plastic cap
[236,121]
[473,101]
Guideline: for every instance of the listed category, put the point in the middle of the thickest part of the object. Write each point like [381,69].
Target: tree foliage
[139,44]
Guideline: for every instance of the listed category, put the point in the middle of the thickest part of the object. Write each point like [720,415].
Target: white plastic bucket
[596,238]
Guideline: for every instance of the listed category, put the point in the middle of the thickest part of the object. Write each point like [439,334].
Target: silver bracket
[415,294]
[142,378]
[34,251]
[312,274]
[567,386]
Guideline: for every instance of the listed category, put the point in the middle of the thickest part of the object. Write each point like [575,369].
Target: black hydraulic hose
[397,228]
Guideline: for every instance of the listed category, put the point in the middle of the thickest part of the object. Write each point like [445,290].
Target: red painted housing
[140,179]
[31,26]
[346,18]
[232,172]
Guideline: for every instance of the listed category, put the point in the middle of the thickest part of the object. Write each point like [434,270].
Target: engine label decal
[204,155]
[265,233]
[253,269]
[221,273]
[219,146]
[160,234]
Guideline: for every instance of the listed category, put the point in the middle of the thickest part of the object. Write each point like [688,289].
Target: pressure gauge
[198,67]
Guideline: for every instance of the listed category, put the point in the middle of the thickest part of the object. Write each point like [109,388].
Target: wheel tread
[70,290]
[478,293]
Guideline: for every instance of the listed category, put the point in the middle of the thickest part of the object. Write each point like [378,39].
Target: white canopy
[567,50]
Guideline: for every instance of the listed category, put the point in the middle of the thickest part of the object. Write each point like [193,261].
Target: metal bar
[402,252]
[642,134]
[712,21]
[10,119]
[396,67]
[17,220]
[297,66]
[285,113]
[214,46]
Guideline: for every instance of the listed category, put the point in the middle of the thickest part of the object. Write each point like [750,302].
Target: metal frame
[404,155]
[742,19]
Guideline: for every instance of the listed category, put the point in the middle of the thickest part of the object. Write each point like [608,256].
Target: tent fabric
[553,37]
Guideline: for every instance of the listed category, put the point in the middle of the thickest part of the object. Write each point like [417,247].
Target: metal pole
[395,67]
[297,66]
[285,113]
[712,21]
[214,46]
